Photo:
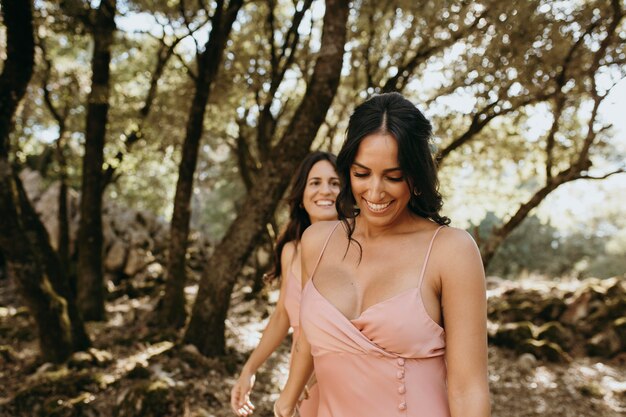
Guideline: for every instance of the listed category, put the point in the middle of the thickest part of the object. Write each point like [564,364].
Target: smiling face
[322,187]
[377,182]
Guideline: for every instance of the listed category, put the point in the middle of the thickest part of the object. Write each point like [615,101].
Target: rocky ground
[135,371]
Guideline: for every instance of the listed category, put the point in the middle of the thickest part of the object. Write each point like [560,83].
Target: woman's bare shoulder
[459,246]
[453,238]
[315,235]
[287,255]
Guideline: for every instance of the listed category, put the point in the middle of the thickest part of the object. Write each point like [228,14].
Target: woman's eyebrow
[320,178]
[384,170]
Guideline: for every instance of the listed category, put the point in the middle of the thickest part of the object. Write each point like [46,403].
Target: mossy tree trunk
[45,304]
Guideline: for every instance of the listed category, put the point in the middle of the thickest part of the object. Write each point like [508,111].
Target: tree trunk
[90,282]
[206,328]
[63,241]
[47,307]
[39,241]
[18,66]
[171,310]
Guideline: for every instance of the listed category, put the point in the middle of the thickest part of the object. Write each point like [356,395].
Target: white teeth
[325,203]
[377,207]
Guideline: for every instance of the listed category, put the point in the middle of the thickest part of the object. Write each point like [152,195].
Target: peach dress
[387,362]
[293,292]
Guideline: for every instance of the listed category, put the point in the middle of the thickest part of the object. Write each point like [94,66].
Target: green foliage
[538,247]
[491,64]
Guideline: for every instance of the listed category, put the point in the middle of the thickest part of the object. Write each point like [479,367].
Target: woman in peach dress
[312,198]
[393,308]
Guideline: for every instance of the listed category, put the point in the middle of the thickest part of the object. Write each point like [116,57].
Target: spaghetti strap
[430,246]
[319,258]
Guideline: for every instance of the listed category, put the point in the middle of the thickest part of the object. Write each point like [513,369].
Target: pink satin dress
[387,362]
[293,292]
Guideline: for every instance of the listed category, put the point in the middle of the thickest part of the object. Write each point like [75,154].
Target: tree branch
[405,71]
[603,177]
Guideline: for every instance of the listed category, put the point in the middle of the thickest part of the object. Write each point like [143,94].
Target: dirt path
[194,386]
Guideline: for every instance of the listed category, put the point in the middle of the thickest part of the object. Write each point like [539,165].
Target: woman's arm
[273,335]
[301,360]
[464,306]
[299,373]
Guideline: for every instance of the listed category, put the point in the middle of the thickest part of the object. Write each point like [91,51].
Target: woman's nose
[377,190]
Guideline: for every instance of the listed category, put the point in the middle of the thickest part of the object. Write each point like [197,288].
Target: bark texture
[17,17]
[90,279]
[172,308]
[47,307]
[206,328]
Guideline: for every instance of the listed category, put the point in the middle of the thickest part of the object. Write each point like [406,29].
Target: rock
[139,371]
[155,271]
[140,238]
[101,357]
[512,334]
[616,287]
[555,332]
[116,256]
[586,302]
[137,259]
[592,389]
[526,362]
[7,354]
[606,344]
[191,349]
[122,221]
[108,234]
[516,305]
[152,399]
[54,386]
[80,360]
[32,182]
[551,308]
[620,329]
[544,350]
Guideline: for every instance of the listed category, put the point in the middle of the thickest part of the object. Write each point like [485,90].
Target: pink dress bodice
[389,361]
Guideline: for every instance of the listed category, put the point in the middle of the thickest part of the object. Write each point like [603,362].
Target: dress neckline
[360,316]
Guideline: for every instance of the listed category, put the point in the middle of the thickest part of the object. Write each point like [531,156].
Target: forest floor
[135,369]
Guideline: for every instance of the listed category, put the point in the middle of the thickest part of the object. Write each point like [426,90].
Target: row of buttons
[402,386]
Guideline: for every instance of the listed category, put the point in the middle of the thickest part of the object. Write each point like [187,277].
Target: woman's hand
[240,395]
[282,408]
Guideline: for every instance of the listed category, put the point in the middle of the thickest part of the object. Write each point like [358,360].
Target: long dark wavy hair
[392,114]
[299,219]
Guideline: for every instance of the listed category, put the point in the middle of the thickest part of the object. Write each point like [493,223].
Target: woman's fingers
[240,401]
[234,399]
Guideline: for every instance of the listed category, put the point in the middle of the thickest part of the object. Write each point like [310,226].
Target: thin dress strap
[430,246]
[319,258]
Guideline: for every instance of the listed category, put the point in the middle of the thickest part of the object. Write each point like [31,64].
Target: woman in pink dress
[393,307]
[312,198]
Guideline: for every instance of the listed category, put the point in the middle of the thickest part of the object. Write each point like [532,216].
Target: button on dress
[387,362]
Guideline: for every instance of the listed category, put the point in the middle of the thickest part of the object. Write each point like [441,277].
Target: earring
[416,192]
